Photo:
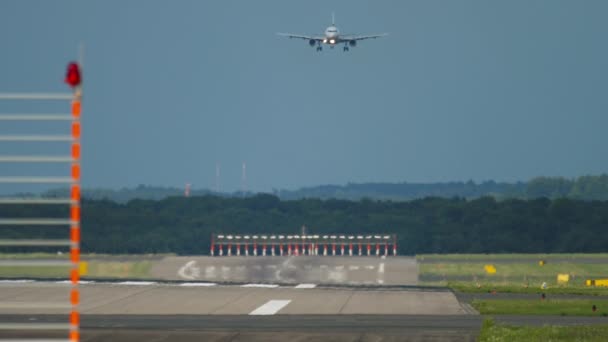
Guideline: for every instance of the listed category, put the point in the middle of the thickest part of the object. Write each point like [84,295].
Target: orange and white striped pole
[75,219]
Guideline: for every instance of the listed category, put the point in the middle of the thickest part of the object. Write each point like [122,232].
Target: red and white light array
[296,245]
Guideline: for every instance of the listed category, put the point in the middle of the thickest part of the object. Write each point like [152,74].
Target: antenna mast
[217,177]
[244,179]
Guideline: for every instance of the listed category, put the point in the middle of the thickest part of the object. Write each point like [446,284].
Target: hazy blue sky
[503,90]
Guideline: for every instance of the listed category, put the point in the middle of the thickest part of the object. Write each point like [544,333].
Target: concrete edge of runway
[110,281]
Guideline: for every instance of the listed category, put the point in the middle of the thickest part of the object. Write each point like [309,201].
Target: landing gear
[346,48]
[319,48]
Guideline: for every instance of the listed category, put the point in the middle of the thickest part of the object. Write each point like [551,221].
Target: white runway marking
[17,281]
[210,272]
[370,267]
[34,305]
[269,286]
[137,283]
[336,276]
[271,307]
[198,284]
[381,273]
[353,268]
[189,271]
[81,282]
[305,286]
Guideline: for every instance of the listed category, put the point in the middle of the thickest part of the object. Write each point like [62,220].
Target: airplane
[332,37]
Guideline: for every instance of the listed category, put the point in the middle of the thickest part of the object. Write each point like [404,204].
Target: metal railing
[71,220]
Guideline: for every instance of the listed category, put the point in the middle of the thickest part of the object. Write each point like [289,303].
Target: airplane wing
[300,36]
[350,38]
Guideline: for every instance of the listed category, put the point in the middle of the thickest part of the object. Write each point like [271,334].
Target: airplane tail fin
[333,19]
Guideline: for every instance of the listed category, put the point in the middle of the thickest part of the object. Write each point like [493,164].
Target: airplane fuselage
[332,35]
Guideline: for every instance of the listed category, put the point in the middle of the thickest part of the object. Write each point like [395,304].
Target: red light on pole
[72,76]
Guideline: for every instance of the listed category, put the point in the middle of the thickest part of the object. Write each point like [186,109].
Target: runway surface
[278,299]
[200,299]
[299,328]
[136,311]
[355,270]
[263,328]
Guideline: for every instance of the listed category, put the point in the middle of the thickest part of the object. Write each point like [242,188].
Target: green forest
[430,225]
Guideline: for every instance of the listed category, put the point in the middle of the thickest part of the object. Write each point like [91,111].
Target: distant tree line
[407,191]
[583,188]
[430,225]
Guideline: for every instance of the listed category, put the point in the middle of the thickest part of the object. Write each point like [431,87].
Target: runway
[355,270]
[209,306]
[164,299]
[132,311]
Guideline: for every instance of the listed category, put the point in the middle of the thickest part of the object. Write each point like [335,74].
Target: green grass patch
[558,307]
[66,256]
[491,332]
[520,288]
[518,276]
[507,256]
[34,271]
[99,265]
[127,270]
[515,270]
[95,269]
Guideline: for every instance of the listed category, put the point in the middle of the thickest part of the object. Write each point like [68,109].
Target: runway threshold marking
[305,286]
[271,307]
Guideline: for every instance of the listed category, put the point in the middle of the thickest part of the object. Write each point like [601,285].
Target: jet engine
[352,43]
[312,42]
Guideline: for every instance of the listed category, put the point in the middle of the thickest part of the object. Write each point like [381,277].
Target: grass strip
[557,307]
[125,270]
[491,332]
[518,288]
[95,269]
[507,256]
